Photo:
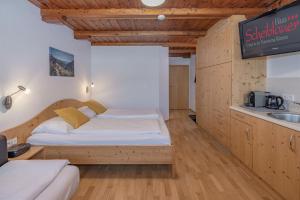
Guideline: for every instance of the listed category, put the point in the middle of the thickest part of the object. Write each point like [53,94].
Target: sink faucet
[295,102]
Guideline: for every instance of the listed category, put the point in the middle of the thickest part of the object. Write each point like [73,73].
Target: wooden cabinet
[203,97]
[213,100]
[271,150]
[223,78]
[241,139]
[263,150]
[285,162]
[276,158]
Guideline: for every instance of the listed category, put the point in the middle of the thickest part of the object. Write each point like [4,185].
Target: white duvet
[119,127]
[129,114]
[27,179]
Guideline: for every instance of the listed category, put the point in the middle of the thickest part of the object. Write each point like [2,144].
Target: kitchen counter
[262,113]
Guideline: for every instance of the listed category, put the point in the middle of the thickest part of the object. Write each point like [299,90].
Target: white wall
[283,75]
[25,40]
[191,63]
[164,82]
[192,84]
[131,77]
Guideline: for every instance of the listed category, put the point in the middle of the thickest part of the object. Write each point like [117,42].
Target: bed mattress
[53,179]
[64,186]
[85,136]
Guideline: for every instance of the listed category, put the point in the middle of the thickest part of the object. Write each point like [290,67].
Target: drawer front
[242,117]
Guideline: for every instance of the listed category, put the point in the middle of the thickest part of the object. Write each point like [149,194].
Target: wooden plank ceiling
[129,22]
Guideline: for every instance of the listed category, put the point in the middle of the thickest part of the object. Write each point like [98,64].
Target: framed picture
[61,63]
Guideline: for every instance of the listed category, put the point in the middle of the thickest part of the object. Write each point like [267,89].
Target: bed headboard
[23,131]
[3,150]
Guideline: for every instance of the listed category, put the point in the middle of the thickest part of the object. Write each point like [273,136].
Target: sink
[289,117]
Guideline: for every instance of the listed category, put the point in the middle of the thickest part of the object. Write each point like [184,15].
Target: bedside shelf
[32,152]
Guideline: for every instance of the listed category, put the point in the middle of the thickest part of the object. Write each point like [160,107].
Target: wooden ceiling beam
[280,3]
[135,13]
[91,34]
[166,44]
[182,51]
[182,55]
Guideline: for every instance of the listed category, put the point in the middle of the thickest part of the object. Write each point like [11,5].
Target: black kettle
[274,102]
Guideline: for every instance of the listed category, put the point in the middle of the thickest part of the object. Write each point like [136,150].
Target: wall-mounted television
[274,32]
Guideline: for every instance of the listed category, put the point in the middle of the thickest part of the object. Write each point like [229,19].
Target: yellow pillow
[96,107]
[72,116]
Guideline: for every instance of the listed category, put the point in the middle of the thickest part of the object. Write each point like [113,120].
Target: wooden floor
[205,171]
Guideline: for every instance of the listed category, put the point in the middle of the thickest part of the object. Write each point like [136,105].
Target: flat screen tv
[275,32]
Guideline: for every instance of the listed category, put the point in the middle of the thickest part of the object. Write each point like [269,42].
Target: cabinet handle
[248,134]
[292,143]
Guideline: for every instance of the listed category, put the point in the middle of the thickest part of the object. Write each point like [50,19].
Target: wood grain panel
[88,4]
[274,160]
[241,143]
[132,15]
[84,155]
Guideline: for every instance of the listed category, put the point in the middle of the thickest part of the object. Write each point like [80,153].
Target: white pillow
[88,112]
[55,125]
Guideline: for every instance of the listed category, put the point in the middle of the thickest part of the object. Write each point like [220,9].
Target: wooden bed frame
[91,155]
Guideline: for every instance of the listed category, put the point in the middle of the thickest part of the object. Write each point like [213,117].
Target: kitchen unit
[269,147]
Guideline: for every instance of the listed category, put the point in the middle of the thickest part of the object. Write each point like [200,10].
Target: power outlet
[12,142]
[288,97]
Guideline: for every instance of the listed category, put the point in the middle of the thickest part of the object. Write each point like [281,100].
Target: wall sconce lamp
[87,90]
[7,102]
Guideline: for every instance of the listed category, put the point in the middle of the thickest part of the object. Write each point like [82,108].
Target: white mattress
[64,186]
[129,114]
[128,127]
[87,137]
[30,179]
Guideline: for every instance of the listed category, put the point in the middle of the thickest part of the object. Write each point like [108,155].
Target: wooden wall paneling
[247,74]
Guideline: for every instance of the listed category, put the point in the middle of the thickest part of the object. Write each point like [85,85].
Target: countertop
[262,113]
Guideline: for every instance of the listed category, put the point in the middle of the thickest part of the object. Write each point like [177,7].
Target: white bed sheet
[93,139]
[129,114]
[64,186]
[27,179]
[110,127]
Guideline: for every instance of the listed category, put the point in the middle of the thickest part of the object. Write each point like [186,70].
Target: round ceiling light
[153,3]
